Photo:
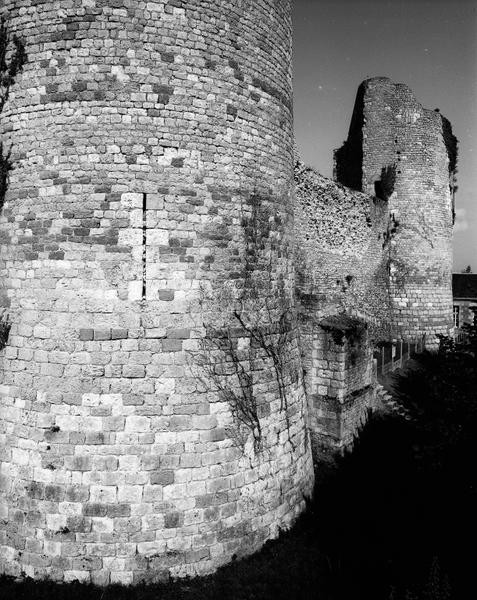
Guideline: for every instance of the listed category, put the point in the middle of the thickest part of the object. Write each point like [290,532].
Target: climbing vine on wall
[224,359]
[254,326]
[451,144]
[269,323]
[398,271]
[12,59]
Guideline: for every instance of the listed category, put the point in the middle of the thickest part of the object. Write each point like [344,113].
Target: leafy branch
[384,187]
[12,59]
[252,326]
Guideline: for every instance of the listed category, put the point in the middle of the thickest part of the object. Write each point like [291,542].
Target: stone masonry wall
[407,155]
[342,381]
[144,136]
[341,271]
[340,236]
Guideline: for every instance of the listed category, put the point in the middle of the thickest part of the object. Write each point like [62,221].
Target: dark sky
[429,45]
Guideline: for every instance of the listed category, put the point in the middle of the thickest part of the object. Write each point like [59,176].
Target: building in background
[464,292]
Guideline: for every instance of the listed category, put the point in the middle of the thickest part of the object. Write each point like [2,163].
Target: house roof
[464,285]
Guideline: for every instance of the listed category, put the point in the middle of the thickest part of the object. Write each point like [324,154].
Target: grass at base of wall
[289,567]
[391,520]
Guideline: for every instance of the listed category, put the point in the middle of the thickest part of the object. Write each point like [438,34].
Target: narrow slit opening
[144,240]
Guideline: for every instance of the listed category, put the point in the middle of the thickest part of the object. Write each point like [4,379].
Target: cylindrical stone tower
[152,152]
[406,154]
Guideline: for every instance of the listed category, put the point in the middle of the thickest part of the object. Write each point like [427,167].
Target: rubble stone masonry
[343,298]
[139,133]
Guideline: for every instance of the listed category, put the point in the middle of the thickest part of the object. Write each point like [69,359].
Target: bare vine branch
[259,313]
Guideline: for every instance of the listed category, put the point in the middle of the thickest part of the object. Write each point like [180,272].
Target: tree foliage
[12,60]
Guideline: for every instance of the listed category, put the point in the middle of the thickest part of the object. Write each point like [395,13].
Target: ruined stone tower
[151,149]
[406,154]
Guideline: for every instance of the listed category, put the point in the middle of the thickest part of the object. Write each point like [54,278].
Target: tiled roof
[464,285]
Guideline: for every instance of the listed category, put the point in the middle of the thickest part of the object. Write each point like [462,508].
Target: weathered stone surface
[141,152]
[379,249]
[406,153]
[147,253]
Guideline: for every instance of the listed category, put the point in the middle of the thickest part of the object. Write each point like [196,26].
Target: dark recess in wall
[349,158]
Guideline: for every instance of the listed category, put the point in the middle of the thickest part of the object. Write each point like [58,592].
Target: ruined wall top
[406,154]
[386,115]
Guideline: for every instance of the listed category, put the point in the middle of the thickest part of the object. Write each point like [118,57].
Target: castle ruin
[373,251]
[184,328]
[406,154]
